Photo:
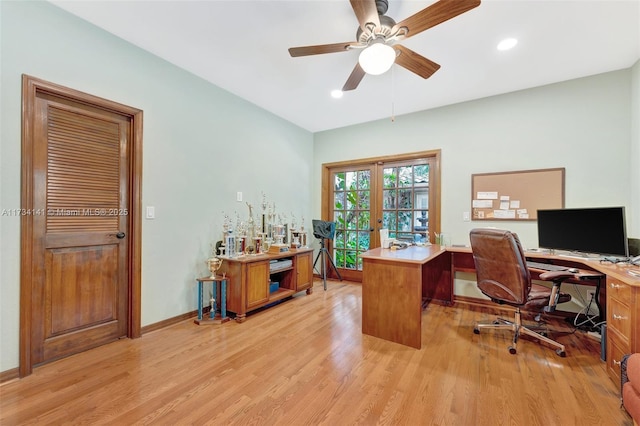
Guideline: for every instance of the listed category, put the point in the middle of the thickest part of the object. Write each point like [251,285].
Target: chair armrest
[556,276]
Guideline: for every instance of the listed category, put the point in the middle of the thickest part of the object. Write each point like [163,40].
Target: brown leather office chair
[502,275]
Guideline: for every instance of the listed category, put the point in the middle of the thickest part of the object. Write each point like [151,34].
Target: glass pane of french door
[406,201]
[351,211]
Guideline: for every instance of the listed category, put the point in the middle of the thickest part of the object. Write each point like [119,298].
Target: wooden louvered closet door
[81,214]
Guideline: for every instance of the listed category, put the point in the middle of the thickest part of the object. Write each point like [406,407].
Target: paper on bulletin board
[487,195]
[522,213]
[504,214]
[504,202]
[482,204]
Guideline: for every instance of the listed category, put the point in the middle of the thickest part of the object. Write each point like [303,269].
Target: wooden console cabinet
[251,276]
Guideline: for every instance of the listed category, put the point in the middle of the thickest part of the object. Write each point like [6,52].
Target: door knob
[120,235]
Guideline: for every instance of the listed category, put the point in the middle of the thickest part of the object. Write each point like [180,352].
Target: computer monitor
[597,230]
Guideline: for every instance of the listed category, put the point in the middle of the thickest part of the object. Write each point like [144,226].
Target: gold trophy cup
[214,264]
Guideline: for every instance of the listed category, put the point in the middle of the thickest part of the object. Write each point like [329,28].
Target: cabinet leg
[240,318]
[310,290]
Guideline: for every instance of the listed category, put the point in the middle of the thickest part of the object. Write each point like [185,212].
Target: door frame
[378,162]
[31,87]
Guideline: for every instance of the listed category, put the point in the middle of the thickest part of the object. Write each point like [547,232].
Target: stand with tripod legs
[324,253]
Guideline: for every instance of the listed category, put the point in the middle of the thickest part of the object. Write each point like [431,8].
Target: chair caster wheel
[561,353]
[476,331]
[512,350]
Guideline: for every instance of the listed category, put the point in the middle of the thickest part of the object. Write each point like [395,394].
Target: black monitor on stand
[324,230]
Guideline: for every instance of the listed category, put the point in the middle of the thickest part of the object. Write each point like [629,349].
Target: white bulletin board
[516,195]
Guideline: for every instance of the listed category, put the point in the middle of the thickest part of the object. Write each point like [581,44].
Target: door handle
[120,235]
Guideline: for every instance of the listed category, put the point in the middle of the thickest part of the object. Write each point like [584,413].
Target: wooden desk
[395,285]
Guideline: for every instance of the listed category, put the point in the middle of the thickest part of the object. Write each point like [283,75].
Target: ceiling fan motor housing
[386,24]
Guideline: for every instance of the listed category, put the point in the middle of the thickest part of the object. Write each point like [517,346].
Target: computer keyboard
[545,266]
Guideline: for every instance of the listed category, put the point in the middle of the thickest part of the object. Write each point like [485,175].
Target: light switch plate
[151,212]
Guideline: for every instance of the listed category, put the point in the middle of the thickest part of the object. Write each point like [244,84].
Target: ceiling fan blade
[367,12]
[354,79]
[319,49]
[433,15]
[415,62]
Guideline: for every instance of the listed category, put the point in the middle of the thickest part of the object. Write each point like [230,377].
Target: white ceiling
[242,45]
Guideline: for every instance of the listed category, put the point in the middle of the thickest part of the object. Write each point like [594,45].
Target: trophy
[295,234]
[303,234]
[279,233]
[214,264]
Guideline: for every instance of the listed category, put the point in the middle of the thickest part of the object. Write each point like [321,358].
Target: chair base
[519,329]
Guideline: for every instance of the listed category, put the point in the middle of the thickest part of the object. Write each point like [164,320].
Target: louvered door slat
[87,150]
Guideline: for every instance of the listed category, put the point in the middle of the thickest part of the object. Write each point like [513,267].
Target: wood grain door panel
[79,288]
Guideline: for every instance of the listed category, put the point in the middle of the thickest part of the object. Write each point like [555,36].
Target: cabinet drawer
[615,351]
[617,290]
[619,317]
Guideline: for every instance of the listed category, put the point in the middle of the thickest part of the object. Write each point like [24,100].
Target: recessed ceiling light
[507,43]
[337,94]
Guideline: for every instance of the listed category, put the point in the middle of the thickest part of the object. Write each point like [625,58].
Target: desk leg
[602,312]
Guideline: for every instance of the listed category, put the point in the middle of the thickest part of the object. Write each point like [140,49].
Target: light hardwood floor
[307,362]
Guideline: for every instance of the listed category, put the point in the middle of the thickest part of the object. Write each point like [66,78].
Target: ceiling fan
[378,34]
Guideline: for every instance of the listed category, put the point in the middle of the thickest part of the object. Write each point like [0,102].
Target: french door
[400,193]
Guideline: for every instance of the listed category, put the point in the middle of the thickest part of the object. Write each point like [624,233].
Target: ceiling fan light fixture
[377,58]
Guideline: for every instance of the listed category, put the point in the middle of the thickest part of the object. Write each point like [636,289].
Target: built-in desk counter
[395,285]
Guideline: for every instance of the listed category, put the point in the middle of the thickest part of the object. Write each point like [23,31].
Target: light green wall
[201,146]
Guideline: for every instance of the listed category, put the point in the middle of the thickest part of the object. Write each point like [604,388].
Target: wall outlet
[465,217]
[238,196]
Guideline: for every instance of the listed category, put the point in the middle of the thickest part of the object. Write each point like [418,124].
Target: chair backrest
[501,266]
